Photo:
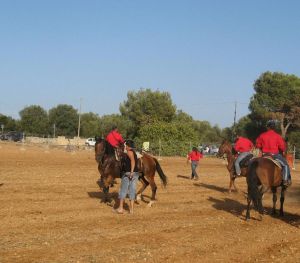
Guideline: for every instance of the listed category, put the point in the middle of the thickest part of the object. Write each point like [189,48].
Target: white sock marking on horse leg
[150,203]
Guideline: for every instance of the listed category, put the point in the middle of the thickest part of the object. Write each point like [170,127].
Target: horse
[110,169]
[264,174]
[226,148]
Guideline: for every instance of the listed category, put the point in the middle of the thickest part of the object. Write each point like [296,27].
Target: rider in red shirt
[243,147]
[194,156]
[271,143]
[115,139]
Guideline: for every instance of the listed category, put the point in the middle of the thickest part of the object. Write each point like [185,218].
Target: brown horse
[226,148]
[110,168]
[264,174]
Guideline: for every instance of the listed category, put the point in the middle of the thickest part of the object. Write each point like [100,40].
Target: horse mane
[108,149]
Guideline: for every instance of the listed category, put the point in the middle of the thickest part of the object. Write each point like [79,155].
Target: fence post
[294,157]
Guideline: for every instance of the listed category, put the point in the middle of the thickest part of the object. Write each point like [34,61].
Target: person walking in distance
[194,156]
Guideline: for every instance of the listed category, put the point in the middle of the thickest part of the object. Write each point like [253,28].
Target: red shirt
[195,156]
[114,138]
[270,142]
[243,145]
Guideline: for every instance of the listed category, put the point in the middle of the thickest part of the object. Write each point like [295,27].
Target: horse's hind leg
[282,200]
[145,183]
[153,188]
[274,191]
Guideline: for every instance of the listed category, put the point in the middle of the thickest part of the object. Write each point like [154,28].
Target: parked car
[90,142]
[214,150]
[12,136]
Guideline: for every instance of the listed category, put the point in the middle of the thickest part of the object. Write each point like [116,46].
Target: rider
[243,146]
[271,143]
[115,139]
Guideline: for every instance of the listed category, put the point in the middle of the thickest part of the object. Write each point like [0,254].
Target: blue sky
[206,54]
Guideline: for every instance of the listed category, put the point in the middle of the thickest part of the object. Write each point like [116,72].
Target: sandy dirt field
[51,211]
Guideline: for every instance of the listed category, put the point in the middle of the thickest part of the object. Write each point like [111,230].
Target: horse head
[99,149]
[225,147]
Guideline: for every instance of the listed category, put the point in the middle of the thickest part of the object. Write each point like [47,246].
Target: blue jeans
[237,162]
[128,186]
[285,167]
[194,165]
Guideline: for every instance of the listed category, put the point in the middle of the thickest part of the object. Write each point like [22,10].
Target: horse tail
[162,176]
[253,182]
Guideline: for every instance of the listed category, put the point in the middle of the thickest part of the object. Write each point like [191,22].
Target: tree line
[149,115]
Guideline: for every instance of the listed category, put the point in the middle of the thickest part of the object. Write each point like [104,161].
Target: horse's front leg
[248,208]
[105,191]
[232,183]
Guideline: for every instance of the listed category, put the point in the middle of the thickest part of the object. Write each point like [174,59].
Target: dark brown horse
[264,174]
[226,148]
[110,168]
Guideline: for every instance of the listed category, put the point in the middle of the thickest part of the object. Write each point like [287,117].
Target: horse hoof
[150,203]
[138,198]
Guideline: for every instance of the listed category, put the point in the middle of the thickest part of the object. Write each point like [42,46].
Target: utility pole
[234,120]
[79,118]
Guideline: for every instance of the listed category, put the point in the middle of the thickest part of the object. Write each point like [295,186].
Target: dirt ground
[51,211]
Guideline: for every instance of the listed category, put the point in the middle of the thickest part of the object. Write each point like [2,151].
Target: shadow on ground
[184,177]
[212,187]
[236,208]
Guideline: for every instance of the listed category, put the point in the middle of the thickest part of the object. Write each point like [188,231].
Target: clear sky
[206,54]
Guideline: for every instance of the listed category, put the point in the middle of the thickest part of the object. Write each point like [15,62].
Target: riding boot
[286,180]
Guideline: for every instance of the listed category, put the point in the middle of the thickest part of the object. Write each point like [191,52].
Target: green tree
[65,118]
[89,125]
[277,96]
[146,107]
[9,124]
[183,117]
[125,126]
[34,120]
[248,128]
[168,138]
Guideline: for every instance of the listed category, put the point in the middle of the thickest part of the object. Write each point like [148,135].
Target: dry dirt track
[50,211]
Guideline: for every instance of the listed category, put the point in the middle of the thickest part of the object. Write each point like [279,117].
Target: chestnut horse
[264,174]
[226,148]
[110,168]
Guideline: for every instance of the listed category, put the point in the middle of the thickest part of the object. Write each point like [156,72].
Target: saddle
[276,162]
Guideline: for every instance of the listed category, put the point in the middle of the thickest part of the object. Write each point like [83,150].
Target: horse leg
[283,188]
[145,183]
[248,208]
[233,182]
[274,191]
[230,185]
[105,192]
[153,188]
